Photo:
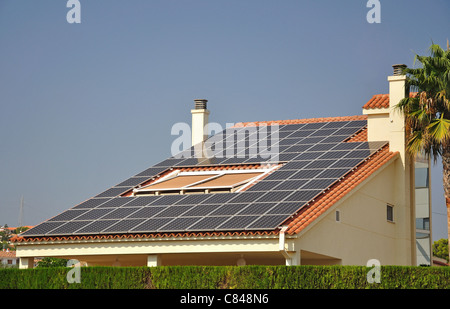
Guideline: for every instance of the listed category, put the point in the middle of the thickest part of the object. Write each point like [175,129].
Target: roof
[7,254]
[321,158]
[381,101]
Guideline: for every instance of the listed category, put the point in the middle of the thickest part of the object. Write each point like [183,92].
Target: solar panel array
[315,157]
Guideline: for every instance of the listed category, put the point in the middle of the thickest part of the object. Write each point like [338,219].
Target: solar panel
[93,214]
[167,200]
[147,212]
[323,132]
[320,164]
[123,226]
[285,208]
[121,213]
[257,209]
[265,185]
[96,227]
[152,171]
[92,203]
[132,182]
[334,173]
[291,184]
[246,197]
[113,192]
[303,195]
[143,201]
[316,157]
[43,228]
[173,211]
[68,215]
[308,156]
[273,196]
[179,224]
[117,202]
[68,228]
[346,163]
[321,147]
[267,222]
[208,223]
[200,210]
[318,184]
[237,223]
[334,154]
[152,225]
[335,124]
[219,198]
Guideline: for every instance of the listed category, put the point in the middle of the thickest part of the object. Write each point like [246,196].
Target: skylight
[203,182]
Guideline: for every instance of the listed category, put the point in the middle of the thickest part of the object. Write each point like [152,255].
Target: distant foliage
[440,249]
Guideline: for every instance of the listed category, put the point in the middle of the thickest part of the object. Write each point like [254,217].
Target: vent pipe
[398,69]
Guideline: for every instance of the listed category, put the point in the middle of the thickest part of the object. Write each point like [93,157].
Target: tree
[440,249]
[52,262]
[427,114]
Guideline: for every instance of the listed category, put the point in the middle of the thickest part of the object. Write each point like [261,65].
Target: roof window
[203,182]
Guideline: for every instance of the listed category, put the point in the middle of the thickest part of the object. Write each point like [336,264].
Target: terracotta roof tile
[378,101]
[7,254]
[381,101]
[21,239]
[361,136]
[297,121]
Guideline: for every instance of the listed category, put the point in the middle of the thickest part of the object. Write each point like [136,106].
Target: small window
[338,216]
[390,213]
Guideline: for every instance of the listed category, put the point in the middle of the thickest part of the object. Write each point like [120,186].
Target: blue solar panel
[313,157]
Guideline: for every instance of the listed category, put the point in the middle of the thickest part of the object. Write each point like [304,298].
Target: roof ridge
[300,121]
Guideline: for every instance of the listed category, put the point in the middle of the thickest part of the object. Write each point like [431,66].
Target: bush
[227,277]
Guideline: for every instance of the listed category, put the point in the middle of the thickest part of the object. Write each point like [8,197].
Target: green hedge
[228,277]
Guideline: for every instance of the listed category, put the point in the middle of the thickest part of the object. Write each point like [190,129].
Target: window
[390,213]
[338,216]
[201,182]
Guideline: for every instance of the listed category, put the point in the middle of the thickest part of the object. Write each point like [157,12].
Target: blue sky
[85,106]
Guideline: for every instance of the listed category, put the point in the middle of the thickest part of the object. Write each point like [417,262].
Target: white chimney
[200,116]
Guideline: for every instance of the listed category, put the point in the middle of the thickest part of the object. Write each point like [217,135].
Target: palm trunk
[446,183]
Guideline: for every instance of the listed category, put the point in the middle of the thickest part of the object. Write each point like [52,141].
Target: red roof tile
[7,254]
[297,121]
[378,101]
[21,239]
[381,101]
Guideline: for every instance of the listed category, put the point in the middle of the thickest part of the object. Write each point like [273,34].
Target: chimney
[200,116]
[397,92]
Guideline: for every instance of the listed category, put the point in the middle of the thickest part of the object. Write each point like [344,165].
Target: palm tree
[427,113]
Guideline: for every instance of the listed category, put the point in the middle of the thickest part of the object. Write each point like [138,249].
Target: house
[323,191]
[8,258]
